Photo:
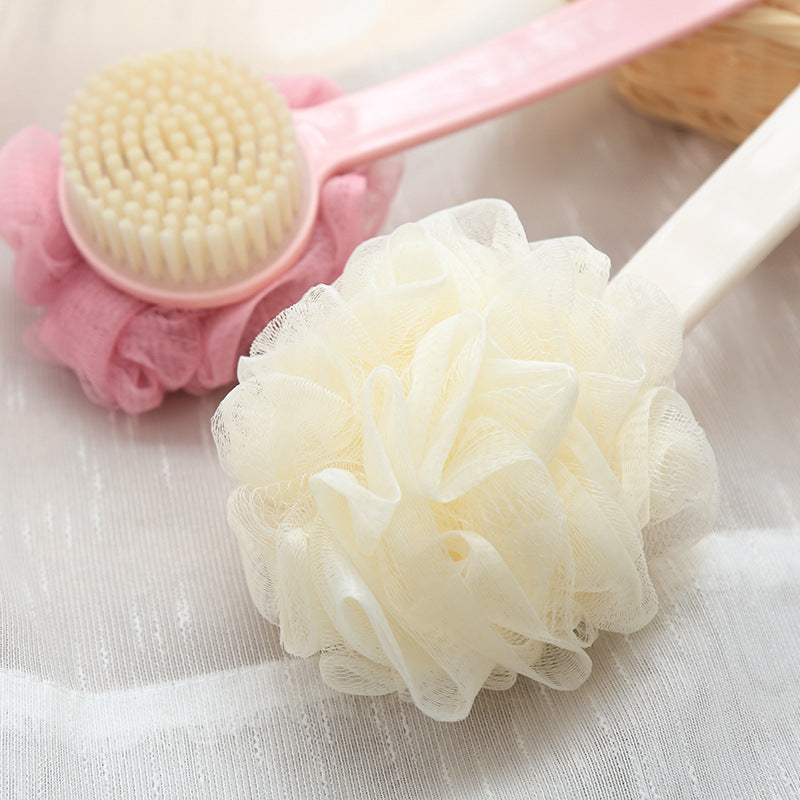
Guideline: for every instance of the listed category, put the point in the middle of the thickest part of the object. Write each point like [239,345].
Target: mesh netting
[128,353]
[455,461]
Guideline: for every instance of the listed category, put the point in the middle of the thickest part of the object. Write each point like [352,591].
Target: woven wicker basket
[722,80]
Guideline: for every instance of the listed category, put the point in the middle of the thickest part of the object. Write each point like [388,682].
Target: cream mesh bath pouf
[455,461]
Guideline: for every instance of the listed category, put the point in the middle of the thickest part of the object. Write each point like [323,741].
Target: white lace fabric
[455,462]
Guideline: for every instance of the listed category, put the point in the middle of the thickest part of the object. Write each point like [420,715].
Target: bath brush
[456,463]
[186,182]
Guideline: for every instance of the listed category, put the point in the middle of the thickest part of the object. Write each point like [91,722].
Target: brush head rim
[189,294]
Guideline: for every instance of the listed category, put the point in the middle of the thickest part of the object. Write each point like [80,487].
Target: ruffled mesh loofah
[128,353]
[455,461]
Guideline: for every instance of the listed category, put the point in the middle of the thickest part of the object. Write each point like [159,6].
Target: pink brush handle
[549,54]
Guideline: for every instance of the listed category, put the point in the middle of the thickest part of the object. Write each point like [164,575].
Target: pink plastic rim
[190,294]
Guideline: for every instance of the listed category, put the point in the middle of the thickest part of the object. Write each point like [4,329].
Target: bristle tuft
[182,166]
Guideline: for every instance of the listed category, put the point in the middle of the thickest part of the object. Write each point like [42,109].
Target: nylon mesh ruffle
[455,461]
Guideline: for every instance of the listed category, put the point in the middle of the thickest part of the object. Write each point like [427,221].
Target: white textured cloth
[132,661]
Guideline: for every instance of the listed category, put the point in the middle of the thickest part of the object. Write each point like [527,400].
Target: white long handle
[732,222]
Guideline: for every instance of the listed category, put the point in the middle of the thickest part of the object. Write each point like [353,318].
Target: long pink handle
[573,43]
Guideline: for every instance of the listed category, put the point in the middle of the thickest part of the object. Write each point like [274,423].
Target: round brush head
[180,175]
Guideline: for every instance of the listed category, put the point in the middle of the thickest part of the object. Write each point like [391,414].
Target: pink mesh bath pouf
[128,353]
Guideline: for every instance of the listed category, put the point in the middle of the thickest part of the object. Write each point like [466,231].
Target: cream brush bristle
[181,166]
